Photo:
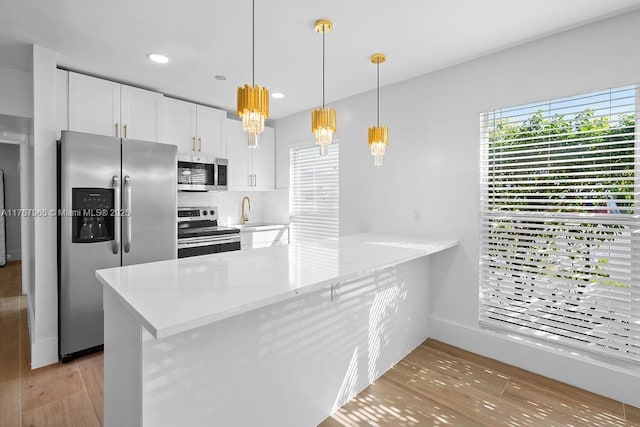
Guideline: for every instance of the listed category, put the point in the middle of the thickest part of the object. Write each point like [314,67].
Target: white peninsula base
[336,317]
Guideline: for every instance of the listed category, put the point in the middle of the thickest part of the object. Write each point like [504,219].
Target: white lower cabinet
[270,236]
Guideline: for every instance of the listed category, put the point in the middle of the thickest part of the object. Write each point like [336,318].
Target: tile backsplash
[271,206]
[228,203]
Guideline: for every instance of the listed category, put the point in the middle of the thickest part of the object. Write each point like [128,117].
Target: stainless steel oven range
[199,233]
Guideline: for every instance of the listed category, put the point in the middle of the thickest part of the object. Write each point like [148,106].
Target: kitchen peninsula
[275,336]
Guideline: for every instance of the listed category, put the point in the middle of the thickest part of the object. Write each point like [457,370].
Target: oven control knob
[204,212]
[212,212]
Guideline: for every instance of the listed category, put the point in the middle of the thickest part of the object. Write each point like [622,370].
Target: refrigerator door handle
[117,216]
[127,214]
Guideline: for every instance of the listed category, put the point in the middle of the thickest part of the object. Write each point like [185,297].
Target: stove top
[201,222]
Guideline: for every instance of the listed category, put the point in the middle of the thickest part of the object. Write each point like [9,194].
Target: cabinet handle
[124,128]
[200,144]
[193,144]
[117,131]
[250,180]
[255,180]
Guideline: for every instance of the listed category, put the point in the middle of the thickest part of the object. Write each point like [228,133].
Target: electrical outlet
[417,215]
[335,292]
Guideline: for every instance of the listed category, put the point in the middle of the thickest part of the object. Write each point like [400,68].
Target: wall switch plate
[417,215]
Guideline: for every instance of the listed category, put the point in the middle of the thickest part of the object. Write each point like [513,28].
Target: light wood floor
[436,384]
[59,395]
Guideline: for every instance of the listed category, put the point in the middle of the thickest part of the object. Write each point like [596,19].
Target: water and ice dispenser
[93,219]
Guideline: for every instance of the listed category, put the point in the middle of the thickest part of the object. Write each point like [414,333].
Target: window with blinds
[313,193]
[559,245]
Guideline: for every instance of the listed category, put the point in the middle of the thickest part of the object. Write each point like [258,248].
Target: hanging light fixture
[378,135]
[323,120]
[253,101]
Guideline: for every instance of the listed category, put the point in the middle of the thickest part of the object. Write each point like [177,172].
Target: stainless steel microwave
[202,173]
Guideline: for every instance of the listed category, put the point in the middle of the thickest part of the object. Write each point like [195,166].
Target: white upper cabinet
[141,113]
[179,124]
[250,169]
[264,161]
[94,105]
[238,172]
[211,131]
[106,108]
[194,129]
[62,101]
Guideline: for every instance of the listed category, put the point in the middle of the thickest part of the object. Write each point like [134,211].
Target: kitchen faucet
[244,215]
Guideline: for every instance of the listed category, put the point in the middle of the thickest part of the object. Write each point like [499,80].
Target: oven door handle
[205,241]
[203,244]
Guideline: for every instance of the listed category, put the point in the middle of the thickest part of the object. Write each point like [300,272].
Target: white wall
[16,97]
[432,169]
[9,158]
[44,299]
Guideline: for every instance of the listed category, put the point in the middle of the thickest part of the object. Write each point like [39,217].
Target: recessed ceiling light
[219,77]
[158,57]
[277,95]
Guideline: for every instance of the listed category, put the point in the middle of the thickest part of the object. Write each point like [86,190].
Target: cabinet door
[264,161]
[141,111]
[237,152]
[62,101]
[210,124]
[94,105]
[179,124]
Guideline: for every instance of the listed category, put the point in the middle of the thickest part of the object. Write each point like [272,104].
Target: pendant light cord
[253,42]
[378,93]
[323,34]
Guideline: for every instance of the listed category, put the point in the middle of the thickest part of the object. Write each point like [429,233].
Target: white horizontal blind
[560,246]
[313,193]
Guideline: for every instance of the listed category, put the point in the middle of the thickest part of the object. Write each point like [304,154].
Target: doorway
[10,239]
[14,135]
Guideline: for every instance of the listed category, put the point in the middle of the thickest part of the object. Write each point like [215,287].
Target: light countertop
[249,227]
[174,296]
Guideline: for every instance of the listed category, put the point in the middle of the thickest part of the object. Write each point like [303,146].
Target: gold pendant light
[378,135]
[253,101]
[323,120]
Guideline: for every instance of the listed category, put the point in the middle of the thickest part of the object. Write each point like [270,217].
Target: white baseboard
[44,352]
[13,255]
[619,383]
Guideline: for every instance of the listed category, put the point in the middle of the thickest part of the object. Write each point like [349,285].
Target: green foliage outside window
[577,166]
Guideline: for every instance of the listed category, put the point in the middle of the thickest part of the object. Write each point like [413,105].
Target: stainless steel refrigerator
[117,206]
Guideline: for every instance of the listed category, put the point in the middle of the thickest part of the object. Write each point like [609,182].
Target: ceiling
[205,38]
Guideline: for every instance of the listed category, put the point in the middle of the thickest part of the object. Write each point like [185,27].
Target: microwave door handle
[115,184]
[127,214]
